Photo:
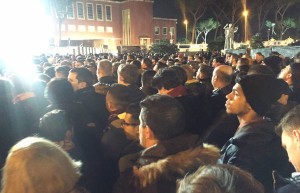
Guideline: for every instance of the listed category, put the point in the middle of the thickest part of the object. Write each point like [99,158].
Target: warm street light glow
[185,22]
[245,14]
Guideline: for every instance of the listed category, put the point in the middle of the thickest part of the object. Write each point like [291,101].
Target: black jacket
[257,149]
[286,185]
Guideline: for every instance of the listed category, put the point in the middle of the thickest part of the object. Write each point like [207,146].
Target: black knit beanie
[261,91]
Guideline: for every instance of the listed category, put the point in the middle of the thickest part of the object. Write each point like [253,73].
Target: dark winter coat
[256,148]
[286,185]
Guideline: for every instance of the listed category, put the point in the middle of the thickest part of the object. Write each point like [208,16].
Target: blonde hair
[36,165]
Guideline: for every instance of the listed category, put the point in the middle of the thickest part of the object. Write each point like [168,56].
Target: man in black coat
[255,147]
[82,80]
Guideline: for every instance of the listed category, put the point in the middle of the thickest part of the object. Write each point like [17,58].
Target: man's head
[219,60]
[80,78]
[220,179]
[117,98]
[128,74]
[222,76]
[289,129]
[204,72]
[62,71]
[131,122]
[253,94]
[162,117]
[165,79]
[146,64]
[259,57]
[104,68]
[56,126]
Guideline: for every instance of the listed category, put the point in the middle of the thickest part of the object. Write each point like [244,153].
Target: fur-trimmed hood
[176,166]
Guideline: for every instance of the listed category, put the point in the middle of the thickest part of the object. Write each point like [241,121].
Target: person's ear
[296,135]
[149,133]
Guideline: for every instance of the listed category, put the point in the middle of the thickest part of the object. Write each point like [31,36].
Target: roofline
[161,18]
[110,1]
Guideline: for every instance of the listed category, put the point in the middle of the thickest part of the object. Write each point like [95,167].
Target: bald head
[104,68]
[222,76]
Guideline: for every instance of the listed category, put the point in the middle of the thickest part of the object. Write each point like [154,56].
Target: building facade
[108,24]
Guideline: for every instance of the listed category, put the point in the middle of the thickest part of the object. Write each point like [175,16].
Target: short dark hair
[147,77]
[260,69]
[63,69]
[290,121]
[180,73]
[164,115]
[136,63]
[220,179]
[54,125]
[134,109]
[147,62]
[119,95]
[83,75]
[166,78]
[59,91]
[129,72]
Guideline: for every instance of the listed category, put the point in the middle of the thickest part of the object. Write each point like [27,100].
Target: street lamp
[185,22]
[245,14]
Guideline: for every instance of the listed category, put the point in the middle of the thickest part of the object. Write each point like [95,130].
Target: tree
[218,9]
[256,41]
[164,47]
[205,27]
[287,24]
[195,9]
[261,8]
[281,7]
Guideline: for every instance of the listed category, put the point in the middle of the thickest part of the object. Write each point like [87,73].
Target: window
[71,28]
[156,41]
[156,30]
[70,13]
[164,31]
[90,11]
[108,12]
[81,28]
[99,12]
[172,31]
[100,29]
[109,29]
[80,11]
[91,29]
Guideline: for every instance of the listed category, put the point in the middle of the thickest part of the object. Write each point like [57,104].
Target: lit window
[100,29]
[70,14]
[81,28]
[156,30]
[108,12]
[80,11]
[172,30]
[91,28]
[71,28]
[164,31]
[99,12]
[90,11]
[109,29]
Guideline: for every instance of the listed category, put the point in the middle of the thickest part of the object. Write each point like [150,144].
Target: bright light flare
[25,32]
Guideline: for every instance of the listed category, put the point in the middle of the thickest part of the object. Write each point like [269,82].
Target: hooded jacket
[156,169]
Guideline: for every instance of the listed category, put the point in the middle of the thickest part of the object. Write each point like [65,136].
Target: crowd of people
[154,123]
